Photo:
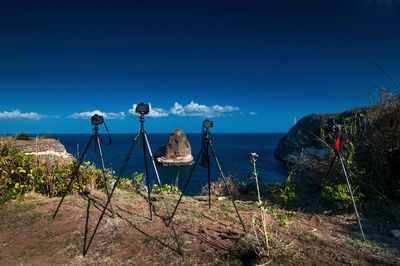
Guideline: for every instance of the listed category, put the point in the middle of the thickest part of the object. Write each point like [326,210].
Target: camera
[97,119]
[142,109]
[208,124]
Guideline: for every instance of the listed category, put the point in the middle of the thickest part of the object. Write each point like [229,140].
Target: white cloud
[109,115]
[17,114]
[252,113]
[154,112]
[195,109]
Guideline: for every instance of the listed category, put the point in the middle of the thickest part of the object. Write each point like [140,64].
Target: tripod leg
[113,190]
[162,193]
[185,186]
[128,155]
[74,176]
[146,174]
[323,181]
[226,184]
[209,177]
[86,227]
[104,173]
[351,194]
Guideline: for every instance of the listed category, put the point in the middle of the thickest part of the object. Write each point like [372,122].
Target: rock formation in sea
[177,151]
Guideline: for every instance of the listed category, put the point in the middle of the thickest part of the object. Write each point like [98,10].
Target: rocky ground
[30,236]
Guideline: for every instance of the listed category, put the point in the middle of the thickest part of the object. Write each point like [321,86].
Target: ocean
[233,152]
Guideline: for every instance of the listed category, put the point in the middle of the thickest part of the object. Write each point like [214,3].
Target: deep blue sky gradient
[279,59]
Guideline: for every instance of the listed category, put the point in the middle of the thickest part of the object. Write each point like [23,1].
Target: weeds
[307,236]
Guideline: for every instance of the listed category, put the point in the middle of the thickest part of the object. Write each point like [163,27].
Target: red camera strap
[339,143]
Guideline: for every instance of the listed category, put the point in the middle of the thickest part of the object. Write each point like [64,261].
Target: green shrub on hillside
[338,196]
[21,173]
[22,136]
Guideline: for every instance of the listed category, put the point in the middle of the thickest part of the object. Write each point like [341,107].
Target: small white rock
[221,198]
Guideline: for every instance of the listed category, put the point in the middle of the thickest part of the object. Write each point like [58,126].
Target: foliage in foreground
[21,173]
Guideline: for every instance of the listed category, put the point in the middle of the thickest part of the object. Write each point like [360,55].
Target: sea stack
[177,151]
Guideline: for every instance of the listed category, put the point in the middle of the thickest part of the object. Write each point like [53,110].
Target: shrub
[218,187]
[22,136]
[21,173]
[338,196]
[166,188]
[284,193]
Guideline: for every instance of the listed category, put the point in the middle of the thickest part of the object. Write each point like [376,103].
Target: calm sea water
[232,150]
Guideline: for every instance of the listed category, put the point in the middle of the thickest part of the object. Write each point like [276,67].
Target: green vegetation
[372,157]
[307,236]
[338,196]
[21,173]
[22,136]
[166,188]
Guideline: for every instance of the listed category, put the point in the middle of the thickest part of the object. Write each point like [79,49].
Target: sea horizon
[123,133]
[232,149]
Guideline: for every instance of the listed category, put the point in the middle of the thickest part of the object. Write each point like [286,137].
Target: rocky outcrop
[177,151]
[302,148]
[301,137]
[46,149]
[304,136]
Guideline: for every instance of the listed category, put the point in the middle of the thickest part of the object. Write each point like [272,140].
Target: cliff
[371,152]
[304,136]
[46,149]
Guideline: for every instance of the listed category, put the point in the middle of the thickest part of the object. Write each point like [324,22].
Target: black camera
[208,124]
[97,120]
[142,109]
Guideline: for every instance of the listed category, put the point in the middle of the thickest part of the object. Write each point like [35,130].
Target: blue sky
[250,65]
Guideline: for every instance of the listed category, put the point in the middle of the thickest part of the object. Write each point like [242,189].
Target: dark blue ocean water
[232,150]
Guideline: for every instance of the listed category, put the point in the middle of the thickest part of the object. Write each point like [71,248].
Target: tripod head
[97,120]
[142,109]
[205,139]
[207,124]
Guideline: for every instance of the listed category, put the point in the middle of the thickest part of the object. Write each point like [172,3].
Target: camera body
[142,108]
[336,128]
[207,124]
[97,120]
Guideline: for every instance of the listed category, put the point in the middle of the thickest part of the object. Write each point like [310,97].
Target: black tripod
[337,154]
[146,148]
[204,153]
[96,139]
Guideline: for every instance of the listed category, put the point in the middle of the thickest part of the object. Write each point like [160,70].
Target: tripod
[204,153]
[95,138]
[146,148]
[337,154]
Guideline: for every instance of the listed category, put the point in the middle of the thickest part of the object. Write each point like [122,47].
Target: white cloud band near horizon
[191,109]
[16,114]
[106,115]
[153,112]
[196,109]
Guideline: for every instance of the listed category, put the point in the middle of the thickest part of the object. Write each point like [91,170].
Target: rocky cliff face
[301,137]
[304,136]
[372,148]
[48,150]
[177,151]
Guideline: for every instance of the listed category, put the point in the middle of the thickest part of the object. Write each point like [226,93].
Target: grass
[204,235]
[387,250]
[307,236]
[31,251]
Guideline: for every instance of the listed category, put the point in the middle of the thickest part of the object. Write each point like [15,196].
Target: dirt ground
[29,235]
